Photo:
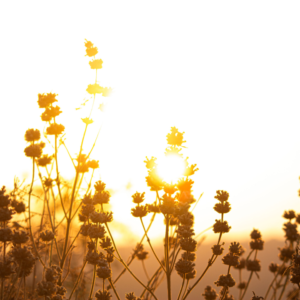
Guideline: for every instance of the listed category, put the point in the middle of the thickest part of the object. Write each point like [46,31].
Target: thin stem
[149,282]
[113,287]
[145,270]
[124,264]
[271,284]
[93,283]
[77,281]
[29,214]
[186,286]
[24,287]
[182,285]
[167,262]
[148,240]
[284,286]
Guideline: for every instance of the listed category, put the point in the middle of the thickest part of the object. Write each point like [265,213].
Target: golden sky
[224,72]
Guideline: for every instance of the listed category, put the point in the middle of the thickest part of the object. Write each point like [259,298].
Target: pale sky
[224,72]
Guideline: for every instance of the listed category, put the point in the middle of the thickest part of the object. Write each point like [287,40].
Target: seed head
[106,243]
[101,217]
[139,211]
[93,164]
[95,231]
[189,276]
[289,215]
[4,199]
[256,297]
[85,229]
[5,235]
[33,150]
[220,226]
[6,214]
[32,135]
[46,288]
[142,255]
[153,208]
[257,244]
[273,267]
[242,285]
[175,138]
[6,269]
[222,195]
[46,100]
[93,257]
[99,186]
[189,256]
[53,273]
[185,231]
[19,237]
[210,293]
[130,296]
[291,232]
[231,259]
[47,236]
[236,248]
[18,206]
[150,163]
[185,185]
[285,253]
[186,219]
[253,265]
[255,234]
[96,64]
[104,272]
[222,208]
[169,188]
[184,266]
[101,197]
[188,244]
[50,113]
[241,265]
[138,197]
[225,280]
[55,129]
[217,249]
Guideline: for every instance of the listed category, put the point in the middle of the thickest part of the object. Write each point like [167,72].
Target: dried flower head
[285,253]
[4,199]
[150,163]
[47,236]
[253,265]
[102,197]
[6,214]
[242,285]
[53,273]
[222,208]
[33,151]
[184,266]
[291,232]
[19,237]
[101,217]
[189,256]
[225,280]
[241,265]
[5,235]
[210,293]
[185,231]
[138,198]
[289,215]
[217,249]
[99,186]
[32,135]
[273,267]
[255,234]
[95,231]
[222,195]
[235,248]
[175,138]
[55,129]
[96,64]
[188,244]
[130,296]
[105,243]
[139,211]
[44,160]
[6,269]
[104,272]
[220,226]
[46,288]
[231,259]
[46,100]
[18,206]
[257,244]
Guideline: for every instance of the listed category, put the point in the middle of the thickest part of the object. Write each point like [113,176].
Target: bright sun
[171,168]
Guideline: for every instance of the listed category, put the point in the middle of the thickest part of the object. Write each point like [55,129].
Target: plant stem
[113,287]
[168,273]
[77,281]
[182,285]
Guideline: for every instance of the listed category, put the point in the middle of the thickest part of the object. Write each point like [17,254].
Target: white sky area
[224,72]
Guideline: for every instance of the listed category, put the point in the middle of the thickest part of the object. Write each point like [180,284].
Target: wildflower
[257,244]
[46,288]
[84,229]
[44,160]
[150,163]
[18,206]
[189,256]
[210,293]
[93,257]
[48,182]
[222,208]
[220,226]
[173,221]
[101,217]
[217,249]
[101,197]
[53,273]
[105,242]
[61,290]
[225,280]
[291,232]
[242,285]
[189,276]
[99,186]
[169,188]
[185,231]
[224,294]
[92,51]
[139,211]
[253,265]
[185,197]
[188,244]
[153,208]
[289,215]
[242,264]
[55,129]
[190,170]
[138,197]
[256,297]
[50,113]
[32,135]
[87,209]
[186,219]
[4,199]
[46,100]
[33,150]
[185,185]
[231,259]
[235,248]
[19,237]
[6,214]
[95,231]
[222,196]
[6,269]
[154,181]
[83,168]
[5,235]
[184,266]
[130,296]
[142,255]
[47,236]
[175,138]
[93,164]
[285,254]
[96,64]
[255,234]
[94,89]
[295,270]
[103,295]
[273,267]
[104,272]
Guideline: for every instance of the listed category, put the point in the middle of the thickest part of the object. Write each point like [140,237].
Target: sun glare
[171,168]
